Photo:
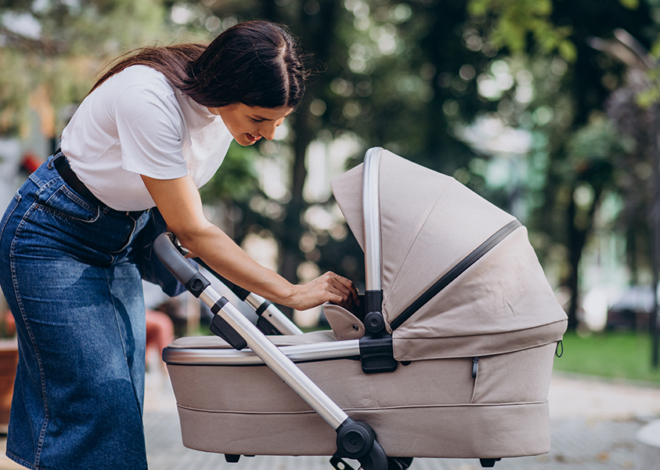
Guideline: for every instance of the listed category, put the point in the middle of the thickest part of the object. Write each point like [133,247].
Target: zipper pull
[475,367]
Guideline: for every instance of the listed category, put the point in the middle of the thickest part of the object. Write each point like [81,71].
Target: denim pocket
[67,204]
[8,213]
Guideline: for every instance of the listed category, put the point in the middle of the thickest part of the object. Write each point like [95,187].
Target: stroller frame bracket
[221,328]
[377,354]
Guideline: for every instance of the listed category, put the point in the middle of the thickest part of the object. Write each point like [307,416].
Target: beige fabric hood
[429,223]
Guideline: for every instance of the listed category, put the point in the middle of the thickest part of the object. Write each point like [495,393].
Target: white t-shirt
[135,124]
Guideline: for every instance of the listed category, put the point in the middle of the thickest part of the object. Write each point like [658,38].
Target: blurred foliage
[415,77]
[518,19]
[237,179]
[60,46]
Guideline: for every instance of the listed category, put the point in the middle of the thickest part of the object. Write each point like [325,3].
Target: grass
[611,354]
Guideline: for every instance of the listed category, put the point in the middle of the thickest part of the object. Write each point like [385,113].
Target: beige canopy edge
[416,349]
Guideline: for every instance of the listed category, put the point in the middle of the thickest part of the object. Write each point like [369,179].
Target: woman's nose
[268,131]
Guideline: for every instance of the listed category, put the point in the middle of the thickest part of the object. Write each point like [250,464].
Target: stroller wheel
[488,463]
[399,463]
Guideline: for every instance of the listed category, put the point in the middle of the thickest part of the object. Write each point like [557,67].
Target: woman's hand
[329,287]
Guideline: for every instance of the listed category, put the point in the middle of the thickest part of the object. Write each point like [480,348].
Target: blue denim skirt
[70,274]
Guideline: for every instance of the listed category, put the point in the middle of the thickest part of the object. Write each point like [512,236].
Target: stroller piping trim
[349,409]
[456,271]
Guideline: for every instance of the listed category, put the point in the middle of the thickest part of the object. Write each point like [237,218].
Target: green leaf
[567,50]
[630,4]
[647,98]
[478,7]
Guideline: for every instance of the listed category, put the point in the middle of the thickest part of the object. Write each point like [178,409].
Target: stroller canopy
[429,225]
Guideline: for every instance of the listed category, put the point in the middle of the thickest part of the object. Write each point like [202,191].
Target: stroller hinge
[475,367]
[267,327]
[374,323]
[376,350]
[224,330]
[357,440]
[377,354]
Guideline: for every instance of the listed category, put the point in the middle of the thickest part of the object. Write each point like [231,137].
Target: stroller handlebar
[177,264]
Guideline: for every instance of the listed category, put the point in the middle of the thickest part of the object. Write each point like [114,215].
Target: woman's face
[248,124]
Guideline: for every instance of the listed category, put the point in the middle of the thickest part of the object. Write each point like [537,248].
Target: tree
[51,51]
[562,29]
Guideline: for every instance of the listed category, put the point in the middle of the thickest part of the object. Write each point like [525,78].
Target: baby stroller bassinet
[451,355]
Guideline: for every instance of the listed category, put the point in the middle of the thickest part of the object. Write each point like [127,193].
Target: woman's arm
[180,204]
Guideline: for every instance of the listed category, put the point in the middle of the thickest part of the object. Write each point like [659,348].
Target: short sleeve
[150,129]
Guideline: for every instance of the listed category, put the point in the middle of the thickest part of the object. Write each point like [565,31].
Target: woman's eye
[257,120]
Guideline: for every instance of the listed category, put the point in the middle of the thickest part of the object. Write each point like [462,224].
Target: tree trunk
[575,245]
[577,238]
[654,222]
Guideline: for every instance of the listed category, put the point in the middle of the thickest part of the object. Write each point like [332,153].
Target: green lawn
[612,355]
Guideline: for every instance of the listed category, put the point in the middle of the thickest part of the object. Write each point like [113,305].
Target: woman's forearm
[181,207]
[225,257]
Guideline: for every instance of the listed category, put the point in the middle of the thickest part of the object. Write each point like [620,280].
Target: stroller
[450,355]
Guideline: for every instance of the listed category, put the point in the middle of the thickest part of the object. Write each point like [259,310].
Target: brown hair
[256,63]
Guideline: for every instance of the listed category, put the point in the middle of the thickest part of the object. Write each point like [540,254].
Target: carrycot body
[472,320]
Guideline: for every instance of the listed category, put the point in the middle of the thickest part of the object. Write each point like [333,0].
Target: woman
[153,129]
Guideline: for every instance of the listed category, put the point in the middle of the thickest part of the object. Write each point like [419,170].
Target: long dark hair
[256,63]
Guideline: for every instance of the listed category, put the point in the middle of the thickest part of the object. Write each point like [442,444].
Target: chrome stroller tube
[376,345]
[274,315]
[370,211]
[373,320]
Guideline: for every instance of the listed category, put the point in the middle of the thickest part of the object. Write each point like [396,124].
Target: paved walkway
[593,424]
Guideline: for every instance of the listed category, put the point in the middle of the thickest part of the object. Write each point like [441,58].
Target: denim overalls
[70,275]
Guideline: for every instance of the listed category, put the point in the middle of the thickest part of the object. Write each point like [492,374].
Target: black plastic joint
[374,323]
[373,300]
[267,327]
[239,291]
[354,439]
[263,307]
[197,284]
[377,355]
[488,463]
[219,305]
[224,330]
